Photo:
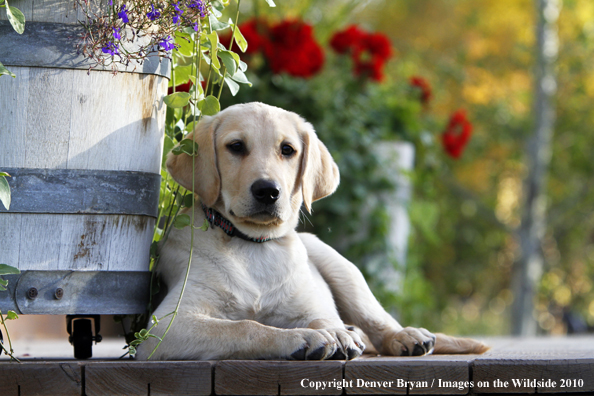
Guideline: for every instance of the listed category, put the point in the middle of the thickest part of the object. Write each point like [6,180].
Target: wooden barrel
[84,152]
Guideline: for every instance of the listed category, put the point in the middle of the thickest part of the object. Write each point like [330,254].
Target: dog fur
[288,298]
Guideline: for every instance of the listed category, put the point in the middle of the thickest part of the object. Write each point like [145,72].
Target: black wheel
[82,338]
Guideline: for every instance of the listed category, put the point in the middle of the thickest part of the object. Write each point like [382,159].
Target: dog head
[256,165]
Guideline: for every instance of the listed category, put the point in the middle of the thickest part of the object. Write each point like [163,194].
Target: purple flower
[124,14]
[195,26]
[154,14]
[178,14]
[167,44]
[116,34]
[199,4]
[111,49]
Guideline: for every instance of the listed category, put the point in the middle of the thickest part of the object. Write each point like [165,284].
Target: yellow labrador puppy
[257,289]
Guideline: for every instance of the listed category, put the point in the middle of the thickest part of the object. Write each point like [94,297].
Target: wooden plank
[131,378]
[84,242]
[13,123]
[39,241]
[117,121]
[277,377]
[438,374]
[534,363]
[41,378]
[48,118]
[130,240]
[10,232]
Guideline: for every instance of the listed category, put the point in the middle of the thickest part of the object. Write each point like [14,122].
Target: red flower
[343,42]
[378,46]
[254,31]
[457,134]
[369,51]
[293,49]
[423,86]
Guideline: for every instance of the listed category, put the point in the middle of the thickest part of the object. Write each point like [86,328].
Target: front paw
[349,344]
[310,344]
[409,341]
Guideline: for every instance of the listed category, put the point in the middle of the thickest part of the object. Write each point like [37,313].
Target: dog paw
[349,344]
[409,341]
[313,344]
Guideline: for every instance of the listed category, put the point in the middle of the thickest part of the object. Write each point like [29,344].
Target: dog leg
[200,337]
[357,305]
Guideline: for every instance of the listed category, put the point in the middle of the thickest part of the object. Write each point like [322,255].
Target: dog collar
[217,219]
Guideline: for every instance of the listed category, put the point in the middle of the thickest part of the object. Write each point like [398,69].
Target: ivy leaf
[209,105]
[214,46]
[8,270]
[204,226]
[233,86]
[215,24]
[240,77]
[181,221]
[187,146]
[188,200]
[230,60]
[16,18]
[177,99]
[4,192]
[4,70]
[271,3]
[11,315]
[240,40]
[3,283]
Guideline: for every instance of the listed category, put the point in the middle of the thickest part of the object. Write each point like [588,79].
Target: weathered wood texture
[66,119]
[552,359]
[563,360]
[43,378]
[50,10]
[148,378]
[258,377]
[385,375]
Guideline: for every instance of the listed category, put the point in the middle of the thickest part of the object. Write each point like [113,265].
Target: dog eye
[287,150]
[236,147]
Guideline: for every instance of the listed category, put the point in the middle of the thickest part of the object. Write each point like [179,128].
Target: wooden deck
[520,366]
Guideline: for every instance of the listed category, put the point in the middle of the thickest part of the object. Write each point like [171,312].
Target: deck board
[568,360]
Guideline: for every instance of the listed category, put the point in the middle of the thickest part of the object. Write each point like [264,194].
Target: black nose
[266,191]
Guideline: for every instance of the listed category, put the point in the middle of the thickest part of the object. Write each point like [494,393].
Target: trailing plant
[17,21]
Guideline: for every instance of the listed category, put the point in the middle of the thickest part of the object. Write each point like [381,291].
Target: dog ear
[207,182]
[319,172]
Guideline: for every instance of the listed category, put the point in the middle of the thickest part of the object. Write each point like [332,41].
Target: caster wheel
[82,338]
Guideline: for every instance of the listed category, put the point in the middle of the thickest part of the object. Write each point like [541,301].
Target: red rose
[369,51]
[344,41]
[423,86]
[457,134]
[378,45]
[293,49]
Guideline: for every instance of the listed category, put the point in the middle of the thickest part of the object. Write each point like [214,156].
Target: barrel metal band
[77,292]
[74,191]
[54,45]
